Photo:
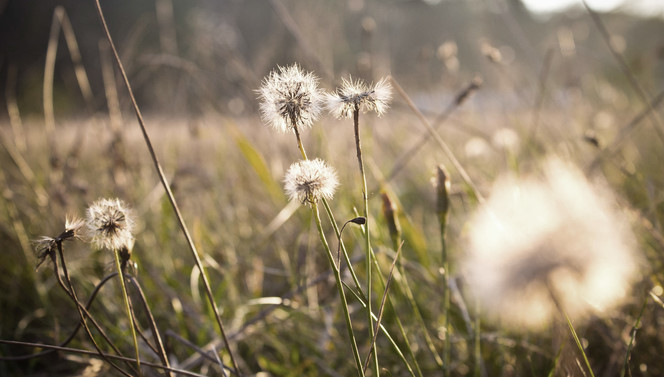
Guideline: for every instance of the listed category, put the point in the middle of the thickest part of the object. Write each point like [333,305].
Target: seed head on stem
[290,99]
[357,94]
[310,180]
[110,224]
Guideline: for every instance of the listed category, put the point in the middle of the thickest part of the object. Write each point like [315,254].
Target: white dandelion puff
[357,95]
[110,224]
[290,98]
[539,243]
[310,180]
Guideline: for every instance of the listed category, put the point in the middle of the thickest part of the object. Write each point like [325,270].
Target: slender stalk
[367,237]
[561,310]
[169,193]
[384,330]
[633,337]
[125,297]
[443,207]
[340,288]
[299,141]
[104,355]
[372,349]
[578,344]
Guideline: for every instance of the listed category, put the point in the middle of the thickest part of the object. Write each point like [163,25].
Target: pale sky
[643,7]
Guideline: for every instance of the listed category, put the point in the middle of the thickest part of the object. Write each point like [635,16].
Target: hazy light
[641,7]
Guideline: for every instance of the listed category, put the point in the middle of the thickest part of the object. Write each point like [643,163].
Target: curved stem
[340,288]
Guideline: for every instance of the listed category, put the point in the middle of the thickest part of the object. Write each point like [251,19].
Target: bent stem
[125,297]
[340,288]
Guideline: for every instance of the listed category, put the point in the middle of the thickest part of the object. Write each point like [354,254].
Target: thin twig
[446,149]
[104,355]
[631,78]
[169,193]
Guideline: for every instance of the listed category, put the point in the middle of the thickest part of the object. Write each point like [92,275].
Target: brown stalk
[167,188]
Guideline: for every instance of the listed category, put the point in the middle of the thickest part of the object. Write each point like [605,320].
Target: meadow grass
[265,271]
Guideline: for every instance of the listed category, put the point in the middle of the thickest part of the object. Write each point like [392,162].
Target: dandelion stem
[299,141]
[340,288]
[125,297]
[367,237]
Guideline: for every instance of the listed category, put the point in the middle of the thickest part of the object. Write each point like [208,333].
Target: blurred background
[183,56]
[551,82]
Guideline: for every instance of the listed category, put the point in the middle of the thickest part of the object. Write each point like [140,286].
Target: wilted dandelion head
[46,246]
[310,180]
[538,241]
[290,98]
[110,224]
[357,95]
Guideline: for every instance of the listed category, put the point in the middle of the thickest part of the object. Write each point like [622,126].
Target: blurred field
[268,272]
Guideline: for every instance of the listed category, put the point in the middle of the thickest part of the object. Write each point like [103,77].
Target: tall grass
[266,286]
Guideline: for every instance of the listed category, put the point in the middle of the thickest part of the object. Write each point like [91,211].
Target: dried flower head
[541,245]
[310,180]
[45,246]
[357,95]
[110,224]
[290,98]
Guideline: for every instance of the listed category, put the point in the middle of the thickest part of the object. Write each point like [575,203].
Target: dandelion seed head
[557,236]
[111,224]
[357,94]
[289,98]
[310,180]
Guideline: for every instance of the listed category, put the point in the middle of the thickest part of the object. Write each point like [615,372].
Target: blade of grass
[633,337]
[382,307]
[171,197]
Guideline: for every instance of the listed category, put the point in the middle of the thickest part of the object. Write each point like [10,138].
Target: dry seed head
[538,240]
[289,98]
[110,224]
[73,226]
[356,94]
[310,180]
[442,190]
